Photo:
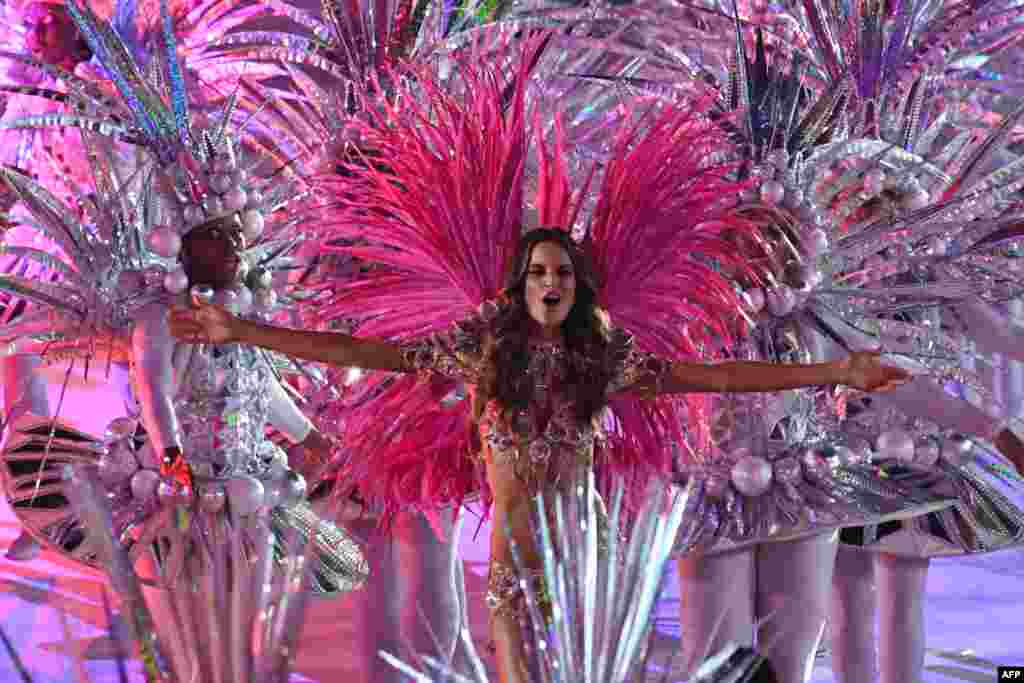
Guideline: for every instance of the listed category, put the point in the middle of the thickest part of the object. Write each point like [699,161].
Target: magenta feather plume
[661,222]
[434,198]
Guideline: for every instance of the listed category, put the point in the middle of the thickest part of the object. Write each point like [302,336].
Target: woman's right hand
[203,323]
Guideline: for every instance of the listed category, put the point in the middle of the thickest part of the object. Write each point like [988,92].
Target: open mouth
[552,299]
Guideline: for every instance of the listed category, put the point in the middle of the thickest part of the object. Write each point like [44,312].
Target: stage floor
[51,609]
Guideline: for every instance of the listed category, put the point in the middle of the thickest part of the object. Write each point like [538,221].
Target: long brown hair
[585,329]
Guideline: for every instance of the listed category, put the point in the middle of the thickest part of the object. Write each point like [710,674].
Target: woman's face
[550,286]
[214,255]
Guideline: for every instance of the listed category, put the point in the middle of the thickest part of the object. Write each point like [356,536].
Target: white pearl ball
[781,300]
[176,281]
[252,224]
[164,241]
[245,494]
[896,444]
[752,475]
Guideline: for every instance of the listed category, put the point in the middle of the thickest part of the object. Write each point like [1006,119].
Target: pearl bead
[752,475]
[896,444]
[176,281]
[163,241]
[143,485]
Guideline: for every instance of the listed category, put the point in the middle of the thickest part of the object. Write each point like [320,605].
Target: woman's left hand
[864,370]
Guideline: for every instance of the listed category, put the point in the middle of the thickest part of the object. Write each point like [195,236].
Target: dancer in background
[208,505]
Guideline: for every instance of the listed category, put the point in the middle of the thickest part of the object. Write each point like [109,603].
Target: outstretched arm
[206,323]
[862,370]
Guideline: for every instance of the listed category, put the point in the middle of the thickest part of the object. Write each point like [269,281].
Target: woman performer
[542,360]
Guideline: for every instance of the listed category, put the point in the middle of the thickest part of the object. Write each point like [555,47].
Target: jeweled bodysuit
[545,444]
[223,402]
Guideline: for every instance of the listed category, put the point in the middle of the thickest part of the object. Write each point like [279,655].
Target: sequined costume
[207,508]
[543,443]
